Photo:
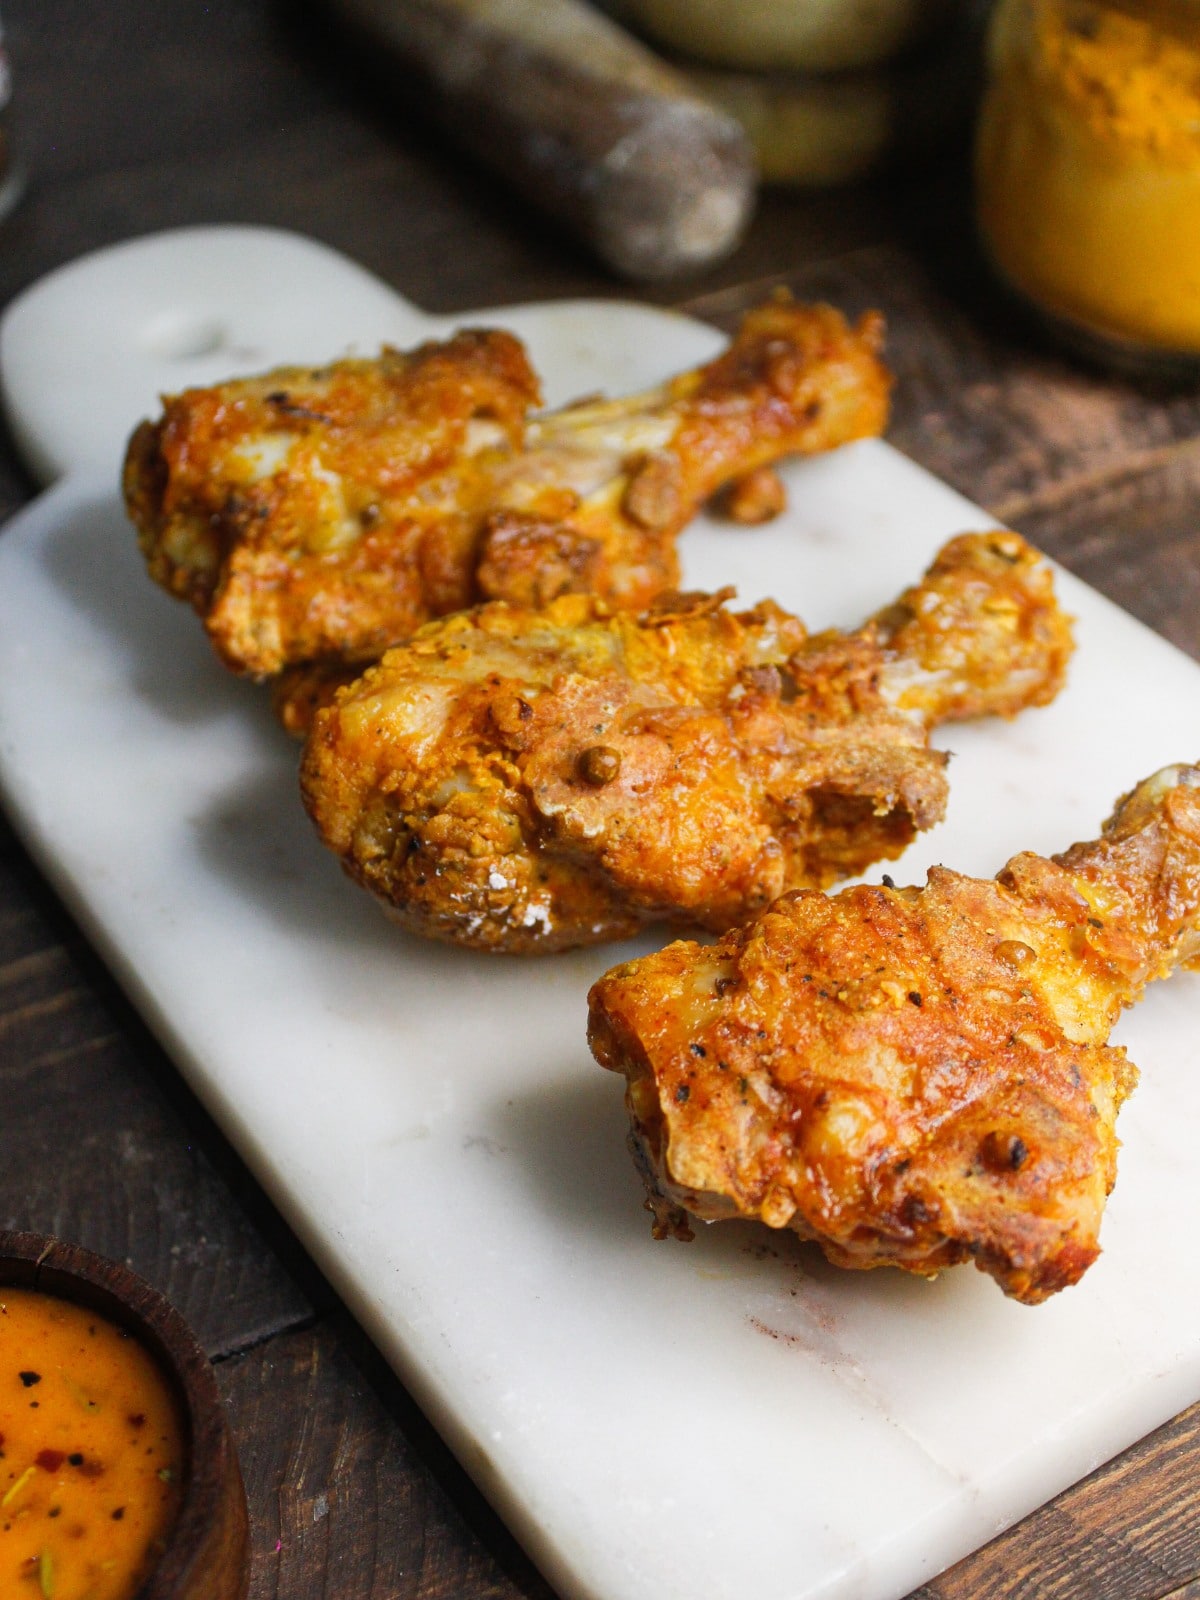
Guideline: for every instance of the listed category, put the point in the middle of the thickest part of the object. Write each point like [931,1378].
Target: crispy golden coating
[524,780]
[311,515]
[298,693]
[914,1077]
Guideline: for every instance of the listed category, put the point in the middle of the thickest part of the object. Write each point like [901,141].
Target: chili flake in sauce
[91,1453]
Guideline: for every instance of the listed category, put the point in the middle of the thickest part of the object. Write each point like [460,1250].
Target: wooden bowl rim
[69,1272]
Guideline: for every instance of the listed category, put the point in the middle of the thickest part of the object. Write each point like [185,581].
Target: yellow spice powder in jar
[1088,167]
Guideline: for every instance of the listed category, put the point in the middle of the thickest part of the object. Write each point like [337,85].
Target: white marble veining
[657,1421]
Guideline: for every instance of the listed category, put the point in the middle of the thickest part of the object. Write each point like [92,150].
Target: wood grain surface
[131,118]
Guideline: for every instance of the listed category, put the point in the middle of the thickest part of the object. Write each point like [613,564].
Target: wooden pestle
[583,119]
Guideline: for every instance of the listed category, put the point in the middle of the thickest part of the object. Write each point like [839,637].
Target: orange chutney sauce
[91,1453]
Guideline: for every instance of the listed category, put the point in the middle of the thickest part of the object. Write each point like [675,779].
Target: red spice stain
[793,1339]
[50,1460]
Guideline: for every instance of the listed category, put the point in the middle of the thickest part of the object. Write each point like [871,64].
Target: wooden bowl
[208,1550]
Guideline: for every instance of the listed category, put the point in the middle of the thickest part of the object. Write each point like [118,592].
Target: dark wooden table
[135,116]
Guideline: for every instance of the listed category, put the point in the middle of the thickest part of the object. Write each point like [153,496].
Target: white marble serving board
[657,1421]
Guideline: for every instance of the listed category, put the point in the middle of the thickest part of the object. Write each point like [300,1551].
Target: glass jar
[10,176]
[1088,173]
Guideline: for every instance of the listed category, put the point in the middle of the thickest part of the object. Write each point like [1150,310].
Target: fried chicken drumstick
[914,1077]
[323,515]
[523,781]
